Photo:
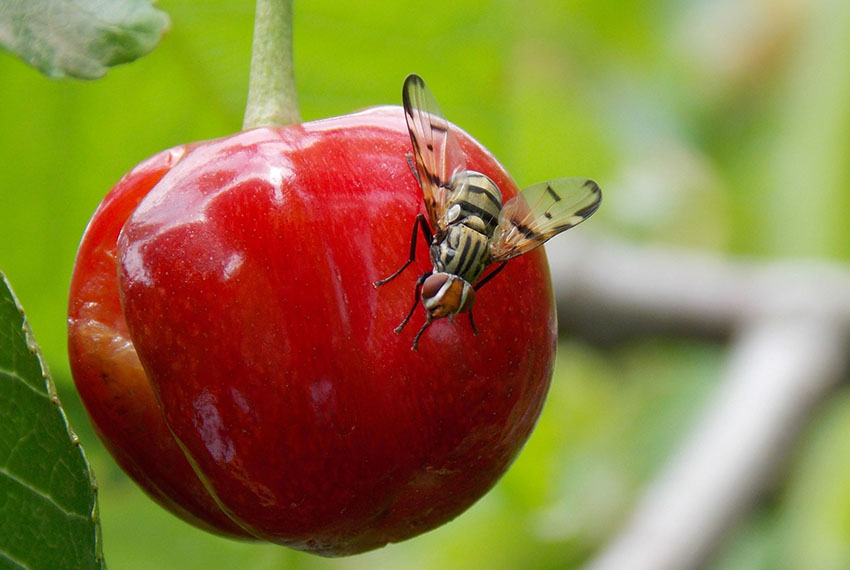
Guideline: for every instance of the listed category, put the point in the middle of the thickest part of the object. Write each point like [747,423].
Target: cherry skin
[244,269]
[107,371]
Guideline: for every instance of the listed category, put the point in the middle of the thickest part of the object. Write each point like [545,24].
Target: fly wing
[541,212]
[436,152]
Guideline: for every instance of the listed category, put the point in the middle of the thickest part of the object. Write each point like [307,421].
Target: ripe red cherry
[245,269]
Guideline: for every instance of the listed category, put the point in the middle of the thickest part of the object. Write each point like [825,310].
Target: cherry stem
[272,99]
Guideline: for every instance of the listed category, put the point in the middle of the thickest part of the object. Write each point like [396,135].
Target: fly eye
[432,285]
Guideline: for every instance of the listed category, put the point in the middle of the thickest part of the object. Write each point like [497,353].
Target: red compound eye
[432,285]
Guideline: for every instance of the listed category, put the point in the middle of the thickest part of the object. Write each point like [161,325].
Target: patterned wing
[540,212]
[436,152]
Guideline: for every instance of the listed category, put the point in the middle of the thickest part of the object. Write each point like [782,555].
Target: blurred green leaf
[79,38]
[754,545]
[48,501]
[813,516]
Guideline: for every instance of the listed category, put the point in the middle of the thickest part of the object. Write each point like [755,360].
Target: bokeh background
[721,125]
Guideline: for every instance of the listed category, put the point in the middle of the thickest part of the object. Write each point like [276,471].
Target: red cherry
[245,274]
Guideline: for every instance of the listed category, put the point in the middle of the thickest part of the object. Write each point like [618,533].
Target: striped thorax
[474,196]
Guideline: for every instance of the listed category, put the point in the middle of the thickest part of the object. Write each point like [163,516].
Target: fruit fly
[468,228]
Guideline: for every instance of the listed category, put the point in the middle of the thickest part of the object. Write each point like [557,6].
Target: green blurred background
[720,125]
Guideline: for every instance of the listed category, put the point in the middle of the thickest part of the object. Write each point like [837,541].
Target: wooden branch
[779,371]
[608,291]
[789,323]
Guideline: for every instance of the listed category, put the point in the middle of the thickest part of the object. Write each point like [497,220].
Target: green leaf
[48,497]
[79,38]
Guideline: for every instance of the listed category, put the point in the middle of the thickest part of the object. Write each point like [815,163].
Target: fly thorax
[474,195]
[444,295]
[476,224]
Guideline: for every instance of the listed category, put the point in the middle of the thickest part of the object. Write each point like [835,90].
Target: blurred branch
[790,326]
[609,291]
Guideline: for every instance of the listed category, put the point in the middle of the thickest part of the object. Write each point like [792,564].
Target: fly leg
[412,166]
[420,222]
[481,284]
[492,274]
[417,295]
[427,324]
[472,322]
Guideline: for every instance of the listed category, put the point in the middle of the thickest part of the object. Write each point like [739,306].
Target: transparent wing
[540,212]
[436,152]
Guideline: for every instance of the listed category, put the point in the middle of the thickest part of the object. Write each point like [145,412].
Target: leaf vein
[13,560]
[47,496]
[15,376]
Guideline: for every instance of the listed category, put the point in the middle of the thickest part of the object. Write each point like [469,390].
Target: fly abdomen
[463,252]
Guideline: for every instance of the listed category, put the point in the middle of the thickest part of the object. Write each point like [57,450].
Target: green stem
[271,88]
